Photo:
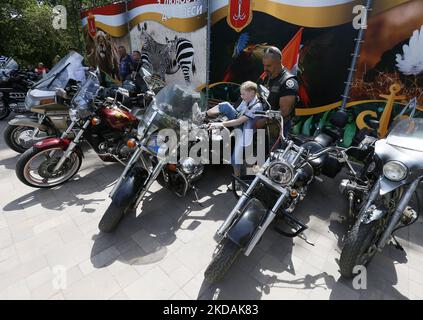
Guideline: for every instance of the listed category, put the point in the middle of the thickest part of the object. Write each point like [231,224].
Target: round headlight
[188,165]
[395,171]
[281,173]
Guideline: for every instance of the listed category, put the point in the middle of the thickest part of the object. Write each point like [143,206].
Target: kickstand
[195,189]
[397,244]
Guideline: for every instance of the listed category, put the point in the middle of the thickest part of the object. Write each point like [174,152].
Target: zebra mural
[168,58]
[182,55]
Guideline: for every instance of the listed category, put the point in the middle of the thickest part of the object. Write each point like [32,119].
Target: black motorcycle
[281,183]
[381,204]
[14,84]
[172,106]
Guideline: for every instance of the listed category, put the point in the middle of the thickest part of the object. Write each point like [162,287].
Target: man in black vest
[283,87]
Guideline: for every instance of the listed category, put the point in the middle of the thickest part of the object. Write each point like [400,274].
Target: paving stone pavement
[51,248]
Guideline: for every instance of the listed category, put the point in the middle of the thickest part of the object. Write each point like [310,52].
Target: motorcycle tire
[358,241]
[4,110]
[221,263]
[10,141]
[27,156]
[111,218]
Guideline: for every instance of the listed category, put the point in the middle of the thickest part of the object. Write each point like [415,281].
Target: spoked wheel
[4,109]
[35,167]
[360,247]
[20,138]
[227,253]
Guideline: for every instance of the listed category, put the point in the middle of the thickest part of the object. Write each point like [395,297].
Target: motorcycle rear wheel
[222,262]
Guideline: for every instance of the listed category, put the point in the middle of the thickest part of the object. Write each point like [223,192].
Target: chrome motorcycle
[278,187]
[381,204]
[174,105]
[46,106]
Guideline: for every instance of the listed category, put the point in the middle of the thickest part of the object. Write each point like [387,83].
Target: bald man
[283,87]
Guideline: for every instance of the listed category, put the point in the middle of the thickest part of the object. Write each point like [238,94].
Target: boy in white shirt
[240,117]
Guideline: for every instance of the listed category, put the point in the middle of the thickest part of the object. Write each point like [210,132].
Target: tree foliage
[27,33]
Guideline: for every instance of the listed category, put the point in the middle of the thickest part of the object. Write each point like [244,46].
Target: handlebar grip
[260,112]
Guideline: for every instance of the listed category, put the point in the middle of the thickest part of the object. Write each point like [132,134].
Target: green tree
[27,33]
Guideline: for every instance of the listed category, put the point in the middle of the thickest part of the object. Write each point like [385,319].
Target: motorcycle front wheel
[19,138]
[35,167]
[359,247]
[111,218]
[4,109]
[222,261]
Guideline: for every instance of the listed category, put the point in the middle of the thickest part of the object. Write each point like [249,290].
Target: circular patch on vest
[290,84]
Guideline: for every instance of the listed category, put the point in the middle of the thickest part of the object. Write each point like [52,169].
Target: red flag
[291,51]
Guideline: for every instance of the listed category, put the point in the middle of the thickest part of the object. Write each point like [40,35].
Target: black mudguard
[130,187]
[244,228]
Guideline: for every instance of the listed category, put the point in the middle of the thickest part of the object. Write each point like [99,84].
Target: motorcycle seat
[319,143]
[51,108]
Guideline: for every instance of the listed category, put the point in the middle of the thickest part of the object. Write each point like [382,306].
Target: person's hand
[215,125]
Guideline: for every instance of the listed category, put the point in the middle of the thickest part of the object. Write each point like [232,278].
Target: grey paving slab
[51,248]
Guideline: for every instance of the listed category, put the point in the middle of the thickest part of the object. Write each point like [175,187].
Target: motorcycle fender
[26,121]
[56,142]
[387,186]
[244,228]
[130,187]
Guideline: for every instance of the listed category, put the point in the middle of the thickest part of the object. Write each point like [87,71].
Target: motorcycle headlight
[281,173]
[395,171]
[188,165]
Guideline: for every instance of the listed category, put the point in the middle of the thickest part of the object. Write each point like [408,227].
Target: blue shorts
[228,110]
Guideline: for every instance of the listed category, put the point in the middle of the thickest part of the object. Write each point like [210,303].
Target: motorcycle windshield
[86,95]
[408,134]
[172,105]
[8,67]
[70,67]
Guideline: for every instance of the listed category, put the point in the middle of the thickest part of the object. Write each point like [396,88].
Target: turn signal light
[131,143]
[294,193]
[47,101]
[171,167]
[95,121]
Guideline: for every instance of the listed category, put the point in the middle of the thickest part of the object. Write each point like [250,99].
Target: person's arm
[286,105]
[288,97]
[235,122]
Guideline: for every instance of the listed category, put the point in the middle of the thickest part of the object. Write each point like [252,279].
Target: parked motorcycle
[169,108]
[380,204]
[14,84]
[48,112]
[277,189]
[103,123]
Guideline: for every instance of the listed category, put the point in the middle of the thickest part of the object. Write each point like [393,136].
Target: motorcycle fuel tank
[117,118]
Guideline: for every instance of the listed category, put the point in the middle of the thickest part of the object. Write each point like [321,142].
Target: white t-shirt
[248,126]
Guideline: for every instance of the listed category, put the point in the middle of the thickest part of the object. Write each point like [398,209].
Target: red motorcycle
[106,124]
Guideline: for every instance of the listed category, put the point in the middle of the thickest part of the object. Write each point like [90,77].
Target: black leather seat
[319,143]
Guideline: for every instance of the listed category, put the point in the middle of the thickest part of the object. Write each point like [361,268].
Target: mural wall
[317,39]
[172,37]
